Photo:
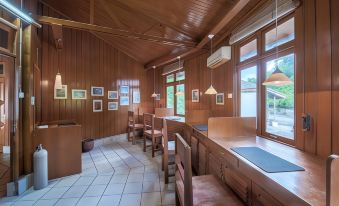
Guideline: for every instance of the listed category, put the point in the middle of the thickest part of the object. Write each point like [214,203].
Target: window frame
[175,83]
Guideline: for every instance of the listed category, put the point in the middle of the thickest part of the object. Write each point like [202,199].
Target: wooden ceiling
[186,21]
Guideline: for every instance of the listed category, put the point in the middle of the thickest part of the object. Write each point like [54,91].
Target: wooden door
[4,136]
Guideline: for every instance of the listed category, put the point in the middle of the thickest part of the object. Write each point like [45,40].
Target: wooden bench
[332,181]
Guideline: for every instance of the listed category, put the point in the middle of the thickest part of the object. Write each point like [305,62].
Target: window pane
[170,78]
[180,76]
[280,100]
[181,99]
[248,96]
[248,50]
[285,34]
[170,97]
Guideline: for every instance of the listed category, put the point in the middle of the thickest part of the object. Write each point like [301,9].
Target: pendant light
[277,78]
[58,81]
[211,89]
[179,93]
[154,94]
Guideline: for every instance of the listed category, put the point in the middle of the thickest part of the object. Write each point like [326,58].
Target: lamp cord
[211,55]
[276,32]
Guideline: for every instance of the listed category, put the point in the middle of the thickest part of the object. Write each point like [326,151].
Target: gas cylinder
[40,164]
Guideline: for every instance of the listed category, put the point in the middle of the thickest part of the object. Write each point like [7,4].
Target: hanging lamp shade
[211,90]
[154,95]
[58,82]
[277,78]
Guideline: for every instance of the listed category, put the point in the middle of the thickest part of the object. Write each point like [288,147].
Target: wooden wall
[87,61]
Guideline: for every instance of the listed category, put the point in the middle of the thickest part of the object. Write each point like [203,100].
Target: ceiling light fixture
[211,89]
[58,81]
[277,78]
[154,94]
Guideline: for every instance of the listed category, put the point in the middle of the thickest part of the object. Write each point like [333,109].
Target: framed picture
[97,91]
[112,105]
[136,97]
[124,89]
[124,101]
[219,98]
[157,97]
[112,94]
[195,95]
[97,105]
[60,93]
[79,94]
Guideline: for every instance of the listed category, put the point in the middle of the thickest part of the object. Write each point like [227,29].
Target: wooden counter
[255,186]
[63,144]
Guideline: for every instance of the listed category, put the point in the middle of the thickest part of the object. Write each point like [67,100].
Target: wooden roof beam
[114,32]
[216,29]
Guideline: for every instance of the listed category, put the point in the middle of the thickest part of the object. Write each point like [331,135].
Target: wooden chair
[198,190]
[168,147]
[332,181]
[151,132]
[132,127]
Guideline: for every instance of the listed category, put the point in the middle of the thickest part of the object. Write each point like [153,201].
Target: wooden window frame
[175,83]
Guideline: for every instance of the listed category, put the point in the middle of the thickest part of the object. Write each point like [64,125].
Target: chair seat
[137,126]
[157,133]
[207,190]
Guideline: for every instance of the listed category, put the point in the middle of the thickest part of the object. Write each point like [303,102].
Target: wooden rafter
[217,28]
[161,21]
[114,32]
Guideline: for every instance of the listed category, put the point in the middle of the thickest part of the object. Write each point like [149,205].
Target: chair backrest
[148,121]
[164,137]
[231,127]
[163,112]
[197,116]
[183,173]
[332,181]
[130,119]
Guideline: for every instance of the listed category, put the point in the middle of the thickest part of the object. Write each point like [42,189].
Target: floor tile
[151,199]
[46,202]
[151,177]
[67,202]
[75,191]
[67,181]
[168,197]
[34,194]
[55,193]
[130,200]
[114,189]
[135,177]
[112,200]
[95,190]
[24,203]
[88,201]
[84,180]
[122,178]
[133,187]
[101,180]
[151,186]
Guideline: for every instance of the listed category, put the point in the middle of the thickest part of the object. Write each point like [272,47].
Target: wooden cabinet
[262,198]
[195,154]
[215,165]
[203,152]
[239,183]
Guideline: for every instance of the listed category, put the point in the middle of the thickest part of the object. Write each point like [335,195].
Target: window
[248,51]
[180,99]
[285,34]
[279,110]
[170,78]
[170,97]
[180,76]
[248,92]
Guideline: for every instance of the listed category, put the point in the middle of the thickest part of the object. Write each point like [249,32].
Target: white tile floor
[115,172]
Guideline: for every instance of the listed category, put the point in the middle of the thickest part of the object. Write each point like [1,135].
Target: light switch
[229,96]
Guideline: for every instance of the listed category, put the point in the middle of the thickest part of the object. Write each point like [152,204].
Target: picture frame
[195,95]
[97,105]
[112,106]
[136,97]
[124,101]
[157,98]
[113,95]
[124,89]
[60,93]
[219,99]
[79,94]
[97,91]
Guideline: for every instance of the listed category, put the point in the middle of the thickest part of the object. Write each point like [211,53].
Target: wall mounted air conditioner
[219,57]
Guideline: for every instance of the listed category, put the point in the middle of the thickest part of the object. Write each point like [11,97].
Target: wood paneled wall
[86,61]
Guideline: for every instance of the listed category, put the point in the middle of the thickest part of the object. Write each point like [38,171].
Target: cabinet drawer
[239,183]
[194,149]
[202,159]
[262,198]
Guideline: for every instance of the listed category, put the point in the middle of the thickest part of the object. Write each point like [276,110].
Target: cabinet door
[239,183]
[262,198]
[203,152]
[215,165]
[195,154]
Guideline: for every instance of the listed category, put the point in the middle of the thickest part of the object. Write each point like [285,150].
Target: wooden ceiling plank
[217,28]
[116,32]
[91,12]
[166,23]
[106,7]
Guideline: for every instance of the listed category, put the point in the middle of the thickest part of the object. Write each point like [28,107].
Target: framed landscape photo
[60,93]
[97,105]
[79,94]
[124,101]
[97,91]
[124,89]
[113,95]
[112,106]
[195,95]
[219,98]
[136,97]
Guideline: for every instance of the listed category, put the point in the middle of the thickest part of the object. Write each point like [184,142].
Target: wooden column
[27,109]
